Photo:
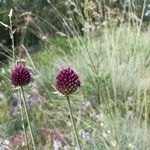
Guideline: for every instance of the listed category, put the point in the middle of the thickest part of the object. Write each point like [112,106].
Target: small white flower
[88,104]
[130,146]
[105,135]
[102,124]
[114,143]
[147,13]
[69,123]
[130,114]
[84,134]
[6,142]
[3,71]
[57,144]
[97,116]
[102,116]
[70,19]
[109,132]
[66,147]
[130,98]
[93,114]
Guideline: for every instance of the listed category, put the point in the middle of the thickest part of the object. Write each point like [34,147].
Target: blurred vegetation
[33,21]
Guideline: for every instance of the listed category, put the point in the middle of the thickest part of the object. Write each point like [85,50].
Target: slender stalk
[22,120]
[27,116]
[145,122]
[73,122]
[12,34]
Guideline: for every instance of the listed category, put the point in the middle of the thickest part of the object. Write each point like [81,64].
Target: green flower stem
[22,119]
[73,122]
[27,116]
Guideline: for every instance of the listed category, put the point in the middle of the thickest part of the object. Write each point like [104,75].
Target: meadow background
[107,43]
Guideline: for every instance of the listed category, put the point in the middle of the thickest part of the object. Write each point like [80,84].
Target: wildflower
[109,132]
[84,134]
[88,104]
[69,123]
[102,125]
[130,146]
[105,135]
[130,98]
[94,115]
[147,13]
[130,114]
[66,147]
[114,143]
[20,75]
[4,144]
[67,81]
[101,116]
[57,144]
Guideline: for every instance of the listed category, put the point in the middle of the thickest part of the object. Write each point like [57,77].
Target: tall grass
[123,73]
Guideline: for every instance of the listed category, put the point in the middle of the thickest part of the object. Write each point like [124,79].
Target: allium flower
[67,81]
[20,75]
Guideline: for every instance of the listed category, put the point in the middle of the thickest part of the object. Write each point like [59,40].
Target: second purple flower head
[67,81]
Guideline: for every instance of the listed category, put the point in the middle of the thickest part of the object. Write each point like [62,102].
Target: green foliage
[121,70]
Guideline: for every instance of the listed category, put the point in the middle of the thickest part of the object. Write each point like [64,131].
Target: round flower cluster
[67,81]
[20,75]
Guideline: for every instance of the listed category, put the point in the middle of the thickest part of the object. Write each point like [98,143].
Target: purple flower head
[67,81]
[20,75]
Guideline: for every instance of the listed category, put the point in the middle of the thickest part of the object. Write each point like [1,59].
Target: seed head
[20,75]
[67,81]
